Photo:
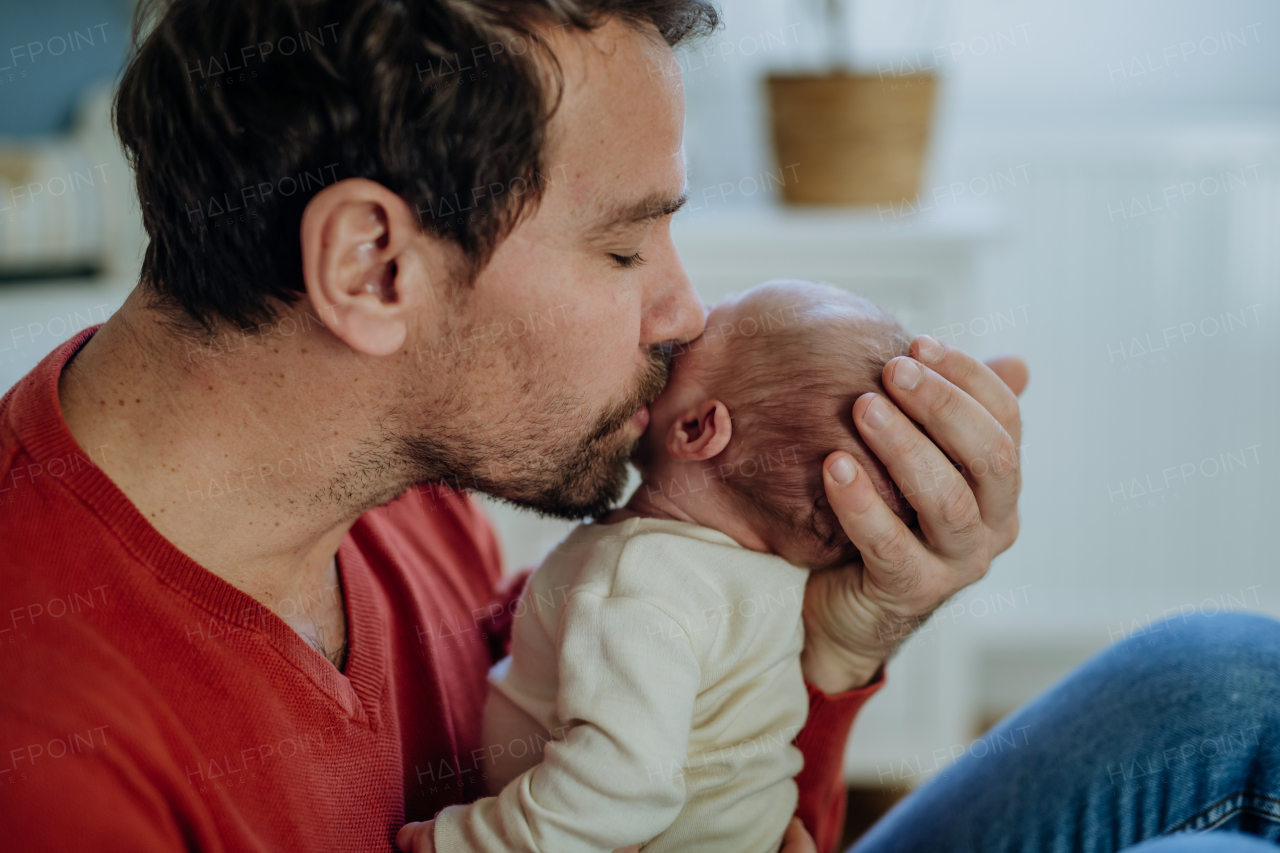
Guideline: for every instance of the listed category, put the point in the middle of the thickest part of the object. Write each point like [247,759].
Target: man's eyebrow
[626,215]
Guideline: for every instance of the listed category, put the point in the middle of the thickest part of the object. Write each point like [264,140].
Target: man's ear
[364,265]
[700,432]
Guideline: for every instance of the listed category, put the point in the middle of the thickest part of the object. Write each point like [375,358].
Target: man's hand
[968,510]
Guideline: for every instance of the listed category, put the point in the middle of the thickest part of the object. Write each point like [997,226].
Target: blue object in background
[50,51]
[1150,739]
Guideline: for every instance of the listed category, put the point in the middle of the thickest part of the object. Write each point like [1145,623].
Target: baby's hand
[420,838]
[417,837]
[797,839]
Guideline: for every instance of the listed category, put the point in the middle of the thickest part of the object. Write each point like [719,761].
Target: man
[236,620]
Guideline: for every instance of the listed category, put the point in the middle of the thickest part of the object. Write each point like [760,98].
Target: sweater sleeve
[822,741]
[628,681]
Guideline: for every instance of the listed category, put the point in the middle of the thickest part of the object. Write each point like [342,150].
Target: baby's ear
[700,432]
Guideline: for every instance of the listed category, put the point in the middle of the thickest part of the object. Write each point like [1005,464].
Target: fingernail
[930,350]
[842,470]
[905,374]
[877,414]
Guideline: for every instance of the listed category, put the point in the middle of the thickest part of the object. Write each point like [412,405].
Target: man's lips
[641,418]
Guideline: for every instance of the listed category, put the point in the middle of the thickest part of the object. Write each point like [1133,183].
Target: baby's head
[757,403]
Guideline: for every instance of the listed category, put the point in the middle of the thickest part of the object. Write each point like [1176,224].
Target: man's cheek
[607,348]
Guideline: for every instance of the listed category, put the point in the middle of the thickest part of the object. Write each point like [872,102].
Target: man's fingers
[891,554]
[797,839]
[976,379]
[944,503]
[1012,372]
[965,430]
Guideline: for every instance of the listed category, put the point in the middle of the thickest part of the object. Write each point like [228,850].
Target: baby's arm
[506,724]
[628,682]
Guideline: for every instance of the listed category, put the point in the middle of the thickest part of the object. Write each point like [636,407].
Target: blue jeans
[1151,743]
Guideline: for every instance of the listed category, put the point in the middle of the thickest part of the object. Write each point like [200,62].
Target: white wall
[1088,108]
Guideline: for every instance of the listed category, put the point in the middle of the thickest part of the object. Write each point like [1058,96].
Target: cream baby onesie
[665,659]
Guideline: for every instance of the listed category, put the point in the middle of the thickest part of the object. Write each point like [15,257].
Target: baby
[658,656]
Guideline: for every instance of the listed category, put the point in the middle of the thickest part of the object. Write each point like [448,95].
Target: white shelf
[919,266]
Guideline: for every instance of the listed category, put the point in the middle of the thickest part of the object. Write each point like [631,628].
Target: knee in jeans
[1209,646]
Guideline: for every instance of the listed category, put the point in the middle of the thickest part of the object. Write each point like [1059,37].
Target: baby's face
[691,364]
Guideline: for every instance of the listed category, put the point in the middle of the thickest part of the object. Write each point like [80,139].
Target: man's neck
[227,452]
[690,492]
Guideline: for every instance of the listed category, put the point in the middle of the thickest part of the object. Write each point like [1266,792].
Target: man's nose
[672,309]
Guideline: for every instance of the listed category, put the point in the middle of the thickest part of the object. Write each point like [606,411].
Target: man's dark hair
[235,113]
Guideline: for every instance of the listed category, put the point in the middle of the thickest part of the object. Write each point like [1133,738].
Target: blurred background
[1092,185]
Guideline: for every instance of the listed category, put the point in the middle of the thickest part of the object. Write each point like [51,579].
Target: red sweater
[147,705]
